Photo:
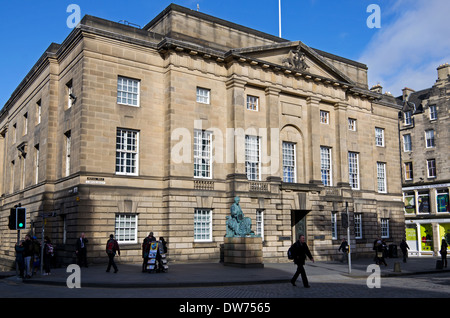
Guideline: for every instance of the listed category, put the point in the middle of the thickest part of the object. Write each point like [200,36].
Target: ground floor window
[202,225]
[260,223]
[126,228]
[384,228]
[358,225]
[333,226]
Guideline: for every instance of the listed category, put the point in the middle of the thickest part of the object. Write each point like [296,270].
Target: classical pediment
[295,56]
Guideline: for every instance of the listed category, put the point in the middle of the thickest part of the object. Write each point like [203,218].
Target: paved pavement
[217,274]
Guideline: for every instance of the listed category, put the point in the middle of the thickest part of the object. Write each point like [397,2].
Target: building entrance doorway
[298,223]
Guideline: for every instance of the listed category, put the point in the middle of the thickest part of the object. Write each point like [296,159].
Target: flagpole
[279,17]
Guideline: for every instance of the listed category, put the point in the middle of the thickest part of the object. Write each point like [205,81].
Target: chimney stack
[377,89]
[406,92]
[443,71]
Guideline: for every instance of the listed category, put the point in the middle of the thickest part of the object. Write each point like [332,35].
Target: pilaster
[236,119]
[341,128]
[313,157]
[273,131]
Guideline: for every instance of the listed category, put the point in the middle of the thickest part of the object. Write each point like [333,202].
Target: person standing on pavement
[375,248]
[380,253]
[344,248]
[81,250]
[27,255]
[37,257]
[146,250]
[112,247]
[404,247]
[443,252]
[48,254]
[300,251]
[19,258]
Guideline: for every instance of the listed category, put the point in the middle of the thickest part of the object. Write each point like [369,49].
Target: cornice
[231,56]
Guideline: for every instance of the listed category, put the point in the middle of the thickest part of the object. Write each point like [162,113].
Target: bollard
[397,268]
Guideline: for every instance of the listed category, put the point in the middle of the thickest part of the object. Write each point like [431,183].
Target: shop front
[424,237]
[427,218]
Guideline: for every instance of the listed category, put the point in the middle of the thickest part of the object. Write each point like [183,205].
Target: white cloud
[406,51]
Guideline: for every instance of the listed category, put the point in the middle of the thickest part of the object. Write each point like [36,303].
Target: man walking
[344,248]
[111,248]
[301,250]
[404,247]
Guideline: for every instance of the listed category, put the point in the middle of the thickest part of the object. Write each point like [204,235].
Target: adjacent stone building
[129,130]
[425,137]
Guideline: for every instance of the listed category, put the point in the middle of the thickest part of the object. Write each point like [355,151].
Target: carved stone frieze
[296,60]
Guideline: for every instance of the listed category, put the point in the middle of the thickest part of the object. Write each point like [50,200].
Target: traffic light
[12,219]
[344,220]
[21,218]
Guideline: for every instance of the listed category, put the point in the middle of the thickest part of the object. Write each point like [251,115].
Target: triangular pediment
[296,56]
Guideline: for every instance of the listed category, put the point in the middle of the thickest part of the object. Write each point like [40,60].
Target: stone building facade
[425,137]
[129,130]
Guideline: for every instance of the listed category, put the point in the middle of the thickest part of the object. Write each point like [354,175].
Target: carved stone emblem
[296,60]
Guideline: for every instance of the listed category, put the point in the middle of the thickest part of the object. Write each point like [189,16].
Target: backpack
[49,249]
[291,252]
[110,247]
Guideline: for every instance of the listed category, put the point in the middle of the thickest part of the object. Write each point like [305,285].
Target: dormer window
[433,112]
[408,120]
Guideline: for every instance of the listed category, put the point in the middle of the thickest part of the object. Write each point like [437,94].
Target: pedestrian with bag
[112,247]
[300,251]
[146,250]
[380,253]
[344,248]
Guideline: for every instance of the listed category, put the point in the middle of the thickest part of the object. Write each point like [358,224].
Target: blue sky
[413,40]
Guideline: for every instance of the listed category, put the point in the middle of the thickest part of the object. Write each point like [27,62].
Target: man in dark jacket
[81,251]
[112,247]
[146,249]
[344,248]
[301,250]
[27,255]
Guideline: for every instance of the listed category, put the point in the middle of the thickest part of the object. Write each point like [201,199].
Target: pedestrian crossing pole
[348,237]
